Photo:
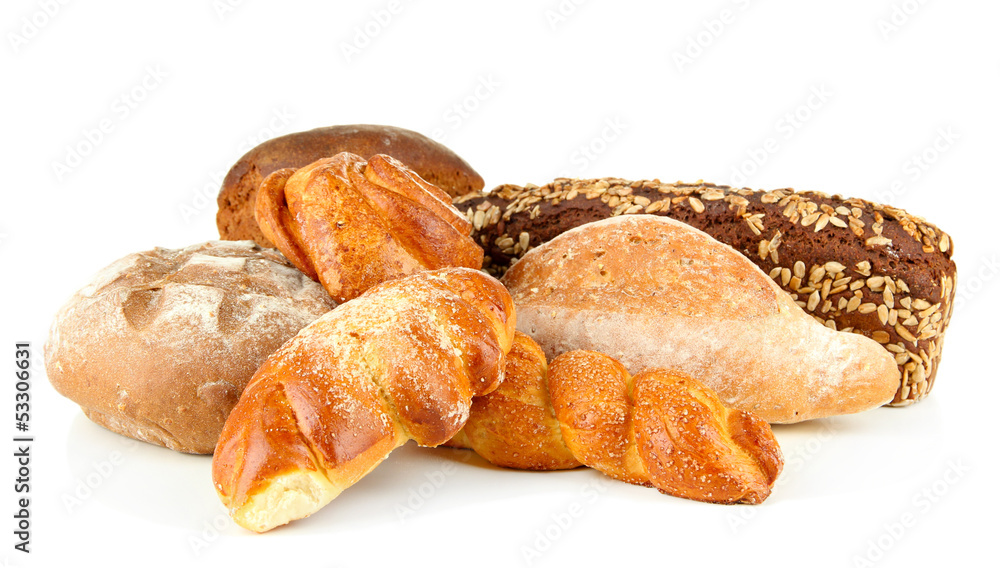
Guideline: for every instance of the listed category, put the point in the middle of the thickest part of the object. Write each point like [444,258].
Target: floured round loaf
[430,159]
[653,292]
[160,345]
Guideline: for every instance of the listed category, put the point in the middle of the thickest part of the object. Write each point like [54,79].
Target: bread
[431,160]
[400,362]
[159,346]
[515,425]
[352,223]
[854,265]
[653,292]
[658,428]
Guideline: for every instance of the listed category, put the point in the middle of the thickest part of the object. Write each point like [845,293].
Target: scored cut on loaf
[653,292]
[852,264]
[160,344]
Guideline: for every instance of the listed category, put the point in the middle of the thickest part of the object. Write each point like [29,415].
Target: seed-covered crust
[854,265]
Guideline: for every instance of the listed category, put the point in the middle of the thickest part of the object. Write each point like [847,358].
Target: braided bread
[351,223]
[400,362]
[657,428]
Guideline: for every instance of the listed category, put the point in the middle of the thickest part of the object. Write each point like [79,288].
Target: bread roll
[653,292]
[160,345]
[852,264]
[431,160]
[351,223]
[402,361]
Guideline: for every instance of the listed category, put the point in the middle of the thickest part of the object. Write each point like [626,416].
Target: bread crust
[400,362]
[159,346]
[515,426]
[657,429]
[852,264]
[431,160]
[352,223]
[653,292]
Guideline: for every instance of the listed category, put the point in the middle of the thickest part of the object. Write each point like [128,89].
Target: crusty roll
[400,362]
[653,292]
[352,223]
[852,264]
[161,343]
[431,160]
[658,428]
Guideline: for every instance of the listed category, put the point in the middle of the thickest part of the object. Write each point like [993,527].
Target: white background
[836,97]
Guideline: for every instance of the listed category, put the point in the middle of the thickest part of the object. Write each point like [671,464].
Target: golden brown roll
[352,223]
[431,160]
[400,362]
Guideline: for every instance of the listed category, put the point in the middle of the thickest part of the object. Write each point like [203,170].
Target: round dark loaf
[852,264]
[431,160]
[160,345]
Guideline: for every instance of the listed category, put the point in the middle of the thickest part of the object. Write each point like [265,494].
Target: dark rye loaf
[852,264]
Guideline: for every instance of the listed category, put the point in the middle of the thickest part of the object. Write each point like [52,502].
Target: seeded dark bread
[852,264]
[431,160]
[160,345]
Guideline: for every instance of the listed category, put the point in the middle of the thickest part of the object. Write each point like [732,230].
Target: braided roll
[351,223]
[401,362]
[657,428]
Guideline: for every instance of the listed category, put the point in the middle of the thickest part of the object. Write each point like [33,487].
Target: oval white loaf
[653,292]
[160,345]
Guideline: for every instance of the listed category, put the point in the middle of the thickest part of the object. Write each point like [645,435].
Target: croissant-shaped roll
[657,428]
[400,362]
[352,224]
